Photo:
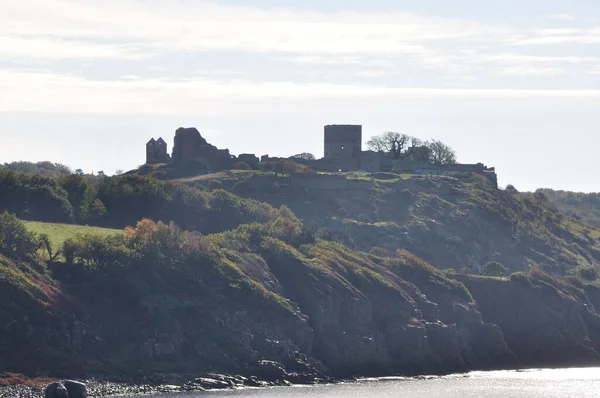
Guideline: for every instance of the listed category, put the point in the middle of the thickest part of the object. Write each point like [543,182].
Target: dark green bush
[215,184]
[15,241]
[494,268]
[241,166]
[588,273]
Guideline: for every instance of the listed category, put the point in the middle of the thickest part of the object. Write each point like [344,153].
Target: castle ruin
[156,151]
[343,141]
[342,153]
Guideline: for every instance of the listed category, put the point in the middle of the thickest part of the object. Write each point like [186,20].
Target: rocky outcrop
[76,389]
[544,321]
[56,390]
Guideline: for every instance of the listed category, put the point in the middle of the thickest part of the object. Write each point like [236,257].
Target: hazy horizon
[514,85]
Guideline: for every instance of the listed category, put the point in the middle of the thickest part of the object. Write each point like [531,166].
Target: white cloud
[530,70]
[560,36]
[510,58]
[371,73]
[47,92]
[167,26]
[433,49]
[18,48]
[560,17]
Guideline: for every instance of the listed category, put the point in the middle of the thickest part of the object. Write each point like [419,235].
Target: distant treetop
[47,169]
[404,147]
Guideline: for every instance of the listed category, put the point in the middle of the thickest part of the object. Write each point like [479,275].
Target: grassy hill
[584,207]
[58,233]
[460,221]
[322,282]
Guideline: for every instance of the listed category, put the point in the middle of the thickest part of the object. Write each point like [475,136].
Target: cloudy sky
[512,84]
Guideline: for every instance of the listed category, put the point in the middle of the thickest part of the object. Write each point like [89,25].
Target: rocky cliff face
[247,302]
[545,322]
[450,222]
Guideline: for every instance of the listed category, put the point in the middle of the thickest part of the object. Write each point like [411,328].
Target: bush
[494,269]
[241,166]
[520,277]
[215,184]
[15,241]
[588,273]
[380,252]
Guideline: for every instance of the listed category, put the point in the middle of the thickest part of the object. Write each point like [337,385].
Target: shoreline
[209,382]
[213,382]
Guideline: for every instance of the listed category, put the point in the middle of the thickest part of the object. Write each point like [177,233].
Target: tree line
[123,200]
[405,147]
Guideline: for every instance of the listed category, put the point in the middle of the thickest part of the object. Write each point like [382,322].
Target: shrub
[326,234]
[588,273]
[15,240]
[267,166]
[380,252]
[215,184]
[494,269]
[520,277]
[241,166]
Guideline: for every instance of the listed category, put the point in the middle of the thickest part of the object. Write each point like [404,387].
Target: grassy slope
[583,206]
[449,222]
[58,233]
[254,297]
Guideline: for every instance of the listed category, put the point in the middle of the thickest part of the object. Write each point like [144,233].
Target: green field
[58,233]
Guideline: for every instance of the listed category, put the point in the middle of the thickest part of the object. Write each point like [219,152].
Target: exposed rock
[271,371]
[76,389]
[56,390]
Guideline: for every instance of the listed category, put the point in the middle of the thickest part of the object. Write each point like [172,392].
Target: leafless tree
[389,142]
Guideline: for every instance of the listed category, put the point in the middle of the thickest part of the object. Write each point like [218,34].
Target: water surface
[505,384]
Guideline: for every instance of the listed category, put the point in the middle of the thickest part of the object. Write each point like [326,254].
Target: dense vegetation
[460,221]
[582,206]
[338,283]
[46,169]
[123,200]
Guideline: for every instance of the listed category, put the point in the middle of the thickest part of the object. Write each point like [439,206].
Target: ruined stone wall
[334,165]
[249,158]
[187,144]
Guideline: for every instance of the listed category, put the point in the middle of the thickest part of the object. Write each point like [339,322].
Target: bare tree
[389,142]
[441,153]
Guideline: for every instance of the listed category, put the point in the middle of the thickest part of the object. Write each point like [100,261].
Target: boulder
[75,389]
[271,371]
[56,390]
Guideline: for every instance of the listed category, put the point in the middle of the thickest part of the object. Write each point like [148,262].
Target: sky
[511,84]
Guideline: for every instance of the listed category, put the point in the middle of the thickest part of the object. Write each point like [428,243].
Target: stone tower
[343,141]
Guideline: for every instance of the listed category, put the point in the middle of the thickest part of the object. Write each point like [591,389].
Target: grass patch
[58,233]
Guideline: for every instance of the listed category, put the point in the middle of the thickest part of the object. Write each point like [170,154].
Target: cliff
[252,289]
[230,302]
[461,221]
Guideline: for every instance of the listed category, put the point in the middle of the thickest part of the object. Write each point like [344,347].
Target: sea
[582,382]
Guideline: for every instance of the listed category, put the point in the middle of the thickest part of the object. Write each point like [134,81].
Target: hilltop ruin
[342,153]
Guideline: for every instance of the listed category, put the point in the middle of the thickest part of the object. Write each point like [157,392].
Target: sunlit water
[530,384]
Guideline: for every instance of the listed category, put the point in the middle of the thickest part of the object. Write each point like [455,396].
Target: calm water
[530,384]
